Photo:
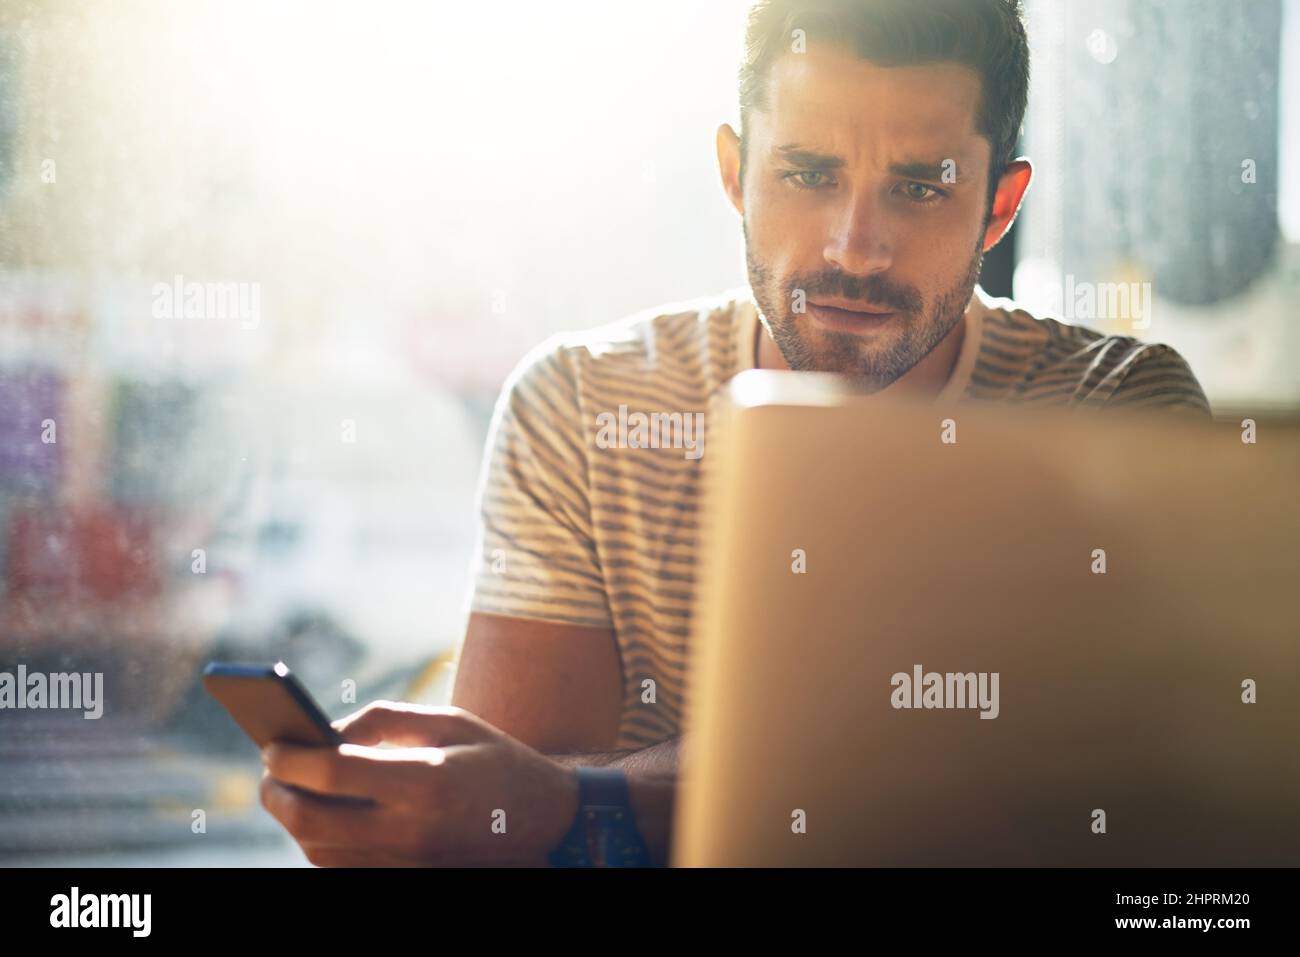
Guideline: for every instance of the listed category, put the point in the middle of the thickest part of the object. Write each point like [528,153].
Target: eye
[807,178]
[922,194]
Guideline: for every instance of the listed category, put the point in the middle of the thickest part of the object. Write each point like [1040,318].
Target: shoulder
[678,342]
[1034,358]
[1053,340]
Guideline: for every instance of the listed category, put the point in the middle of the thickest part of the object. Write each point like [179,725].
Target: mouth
[843,316]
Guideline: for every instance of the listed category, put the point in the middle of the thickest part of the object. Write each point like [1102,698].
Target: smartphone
[270,704]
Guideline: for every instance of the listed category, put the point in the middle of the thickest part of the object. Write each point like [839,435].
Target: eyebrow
[931,172]
[912,169]
[796,155]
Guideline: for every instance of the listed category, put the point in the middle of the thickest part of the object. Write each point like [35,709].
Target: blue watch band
[604,832]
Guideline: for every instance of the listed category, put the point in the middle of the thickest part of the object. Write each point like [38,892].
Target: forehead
[838,101]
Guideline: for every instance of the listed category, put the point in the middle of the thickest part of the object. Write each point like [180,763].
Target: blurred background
[404,198]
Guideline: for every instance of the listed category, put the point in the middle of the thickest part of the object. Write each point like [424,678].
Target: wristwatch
[604,832]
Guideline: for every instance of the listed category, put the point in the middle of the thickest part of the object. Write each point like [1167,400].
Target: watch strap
[604,831]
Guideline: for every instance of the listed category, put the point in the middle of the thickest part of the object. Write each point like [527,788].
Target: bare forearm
[651,780]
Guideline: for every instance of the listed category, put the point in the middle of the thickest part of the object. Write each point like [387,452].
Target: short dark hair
[986,35]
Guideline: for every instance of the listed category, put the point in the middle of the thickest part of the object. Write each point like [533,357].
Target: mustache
[875,290]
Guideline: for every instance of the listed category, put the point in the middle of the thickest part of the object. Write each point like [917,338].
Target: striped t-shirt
[584,521]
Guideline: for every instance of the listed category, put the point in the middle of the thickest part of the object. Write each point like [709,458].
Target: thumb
[412,725]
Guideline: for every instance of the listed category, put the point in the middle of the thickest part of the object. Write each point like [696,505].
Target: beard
[876,361]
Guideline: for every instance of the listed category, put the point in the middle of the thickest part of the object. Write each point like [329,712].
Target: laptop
[982,636]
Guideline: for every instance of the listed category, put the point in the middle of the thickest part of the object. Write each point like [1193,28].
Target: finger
[314,821]
[414,725]
[353,771]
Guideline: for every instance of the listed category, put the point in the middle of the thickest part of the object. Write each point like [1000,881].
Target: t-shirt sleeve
[1160,379]
[536,554]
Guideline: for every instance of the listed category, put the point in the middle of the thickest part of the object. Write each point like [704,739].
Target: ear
[1006,201]
[729,166]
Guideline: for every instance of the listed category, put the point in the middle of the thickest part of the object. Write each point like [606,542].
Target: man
[873,170]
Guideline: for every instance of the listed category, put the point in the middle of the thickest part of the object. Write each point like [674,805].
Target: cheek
[784,234]
[940,243]
[959,228]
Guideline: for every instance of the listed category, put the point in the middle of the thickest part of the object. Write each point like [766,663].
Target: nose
[859,242]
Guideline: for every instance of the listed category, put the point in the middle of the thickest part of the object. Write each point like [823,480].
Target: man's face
[862,255]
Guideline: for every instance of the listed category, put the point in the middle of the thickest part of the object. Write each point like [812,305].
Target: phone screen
[270,704]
